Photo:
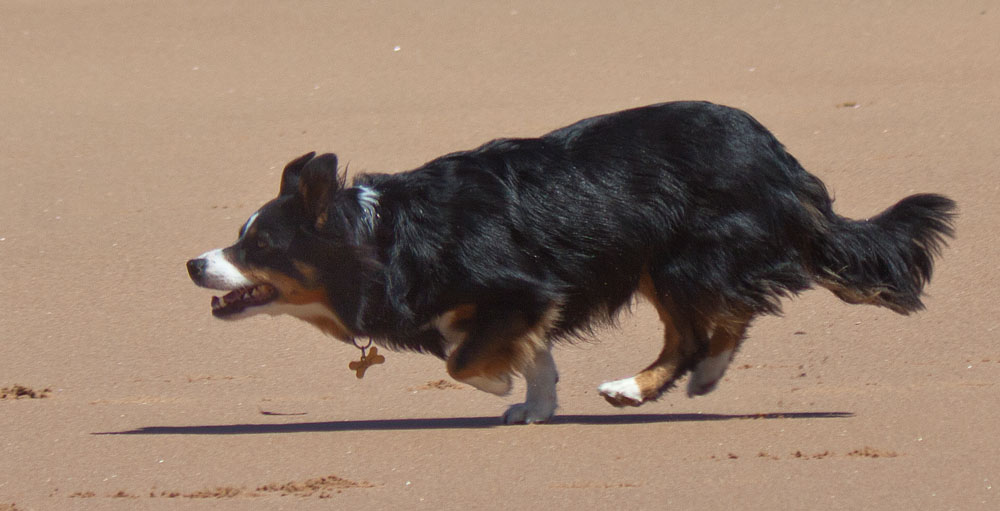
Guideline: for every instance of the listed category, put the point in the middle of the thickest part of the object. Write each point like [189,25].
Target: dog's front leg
[490,344]
[540,402]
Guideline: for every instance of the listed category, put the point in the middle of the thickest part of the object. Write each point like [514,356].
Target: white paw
[707,374]
[540,402]
[620,393]
[530,413]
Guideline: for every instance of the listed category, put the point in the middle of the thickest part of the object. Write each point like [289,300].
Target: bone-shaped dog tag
[367,360]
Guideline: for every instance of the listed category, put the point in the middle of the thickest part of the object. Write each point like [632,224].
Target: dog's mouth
[241,299]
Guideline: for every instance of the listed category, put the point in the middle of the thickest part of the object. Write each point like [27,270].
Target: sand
[136,135]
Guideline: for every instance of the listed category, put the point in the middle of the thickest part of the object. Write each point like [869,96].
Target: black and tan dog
[486,257]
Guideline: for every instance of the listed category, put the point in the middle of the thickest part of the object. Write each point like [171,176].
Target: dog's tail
[885,260]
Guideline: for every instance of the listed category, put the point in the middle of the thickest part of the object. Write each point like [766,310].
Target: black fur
[700,197]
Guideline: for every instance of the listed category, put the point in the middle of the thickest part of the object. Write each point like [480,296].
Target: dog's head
[295,253]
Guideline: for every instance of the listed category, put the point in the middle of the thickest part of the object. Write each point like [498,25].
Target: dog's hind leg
[680,343]
[726,339]
[540,402]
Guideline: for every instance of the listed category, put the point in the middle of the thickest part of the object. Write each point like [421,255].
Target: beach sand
[136,135]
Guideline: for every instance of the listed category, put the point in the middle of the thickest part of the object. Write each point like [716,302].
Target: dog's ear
[290,176]
[317,184]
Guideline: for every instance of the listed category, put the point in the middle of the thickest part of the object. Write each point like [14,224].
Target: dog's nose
[196,267]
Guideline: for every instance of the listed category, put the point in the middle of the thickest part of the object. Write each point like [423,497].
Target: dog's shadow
[460,423]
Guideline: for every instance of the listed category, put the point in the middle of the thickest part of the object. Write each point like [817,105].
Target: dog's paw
[529,413]
[621,393]
[696,388]
[708,373]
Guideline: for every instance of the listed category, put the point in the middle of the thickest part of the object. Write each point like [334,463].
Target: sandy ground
[135,135]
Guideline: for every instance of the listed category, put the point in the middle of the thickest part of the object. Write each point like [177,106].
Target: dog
[485,258]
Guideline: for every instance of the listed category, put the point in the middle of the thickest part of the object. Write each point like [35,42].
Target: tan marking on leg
[455,320]
[652,379]
[728,333]
[498,359]
[453,324]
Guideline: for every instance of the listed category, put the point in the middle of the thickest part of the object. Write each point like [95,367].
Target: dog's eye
[264,241]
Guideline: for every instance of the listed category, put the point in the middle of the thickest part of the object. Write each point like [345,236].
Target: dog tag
[367,360]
